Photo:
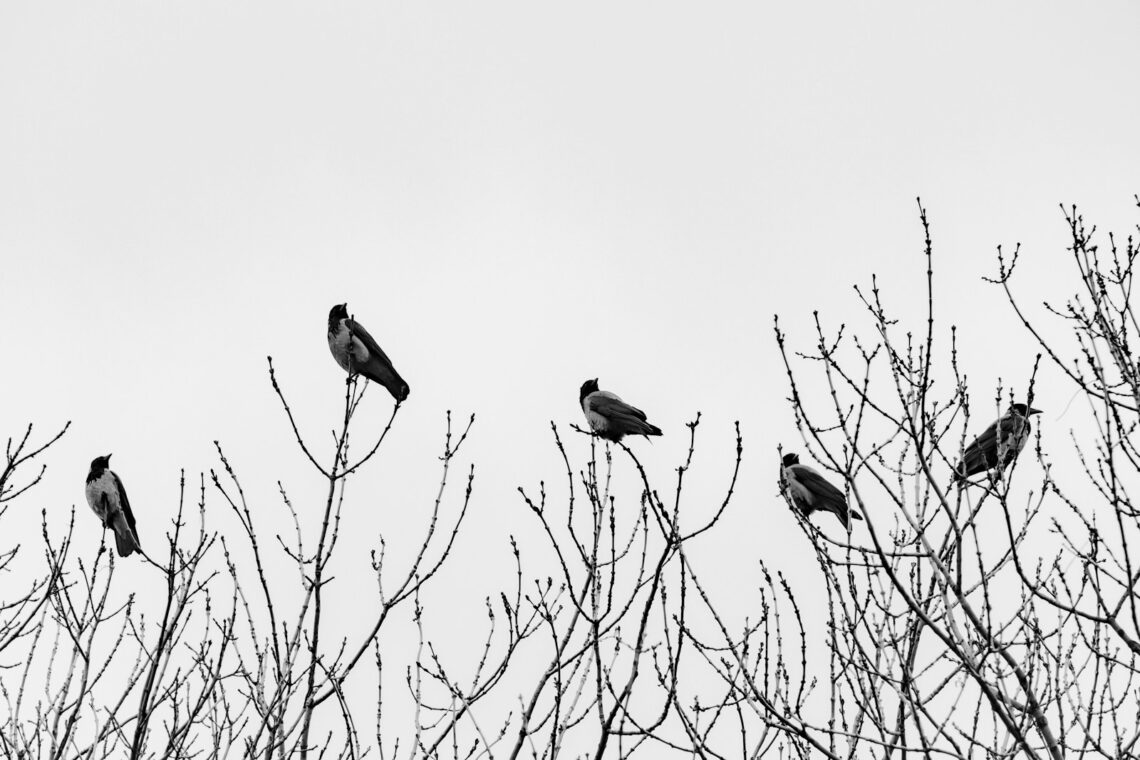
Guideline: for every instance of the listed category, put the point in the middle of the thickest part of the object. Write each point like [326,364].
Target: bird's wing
[820,488]
[609,405]
[823,495]
[981,454]
[126,540]
[126,506]
[801,497]
[378,366]
[366,338]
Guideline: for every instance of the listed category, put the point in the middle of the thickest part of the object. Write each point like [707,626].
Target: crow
[108,499]
[811,493]
[999,445]
[610,417]
[358,353]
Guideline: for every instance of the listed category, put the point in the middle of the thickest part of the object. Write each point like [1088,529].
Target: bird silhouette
[809,491]
[357,352]
[610,417]
[999,445]
[108,500]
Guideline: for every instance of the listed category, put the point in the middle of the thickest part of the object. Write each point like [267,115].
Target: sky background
[513,198]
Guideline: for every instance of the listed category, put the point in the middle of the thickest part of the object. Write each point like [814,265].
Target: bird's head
[337,313]
[790,459]
[1024,410]
[588,387]
[98,464]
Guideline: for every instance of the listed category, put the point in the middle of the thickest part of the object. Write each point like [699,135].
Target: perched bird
[999,445]
[358,353]
[811,493]
[610,417]
[108,499]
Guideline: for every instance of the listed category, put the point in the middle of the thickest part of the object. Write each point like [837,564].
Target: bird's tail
[399,389]
[651,429]
[387,376]
[125,539]
[846,515]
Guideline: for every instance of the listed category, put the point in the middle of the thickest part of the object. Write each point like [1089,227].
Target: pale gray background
[514,198]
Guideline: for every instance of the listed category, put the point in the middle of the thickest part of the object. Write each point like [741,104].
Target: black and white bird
[108,500]
[610,417]
[809,491]
[999,445]
[358,353]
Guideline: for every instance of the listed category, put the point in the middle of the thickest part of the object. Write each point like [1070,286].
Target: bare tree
[992,618]
[226,662]
[638,657]
[952,631]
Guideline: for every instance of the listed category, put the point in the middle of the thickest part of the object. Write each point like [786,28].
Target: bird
[358,353]
[610,417]
[999,445]
[809,492]
[108,500]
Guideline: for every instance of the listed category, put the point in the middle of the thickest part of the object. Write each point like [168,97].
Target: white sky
[515,198]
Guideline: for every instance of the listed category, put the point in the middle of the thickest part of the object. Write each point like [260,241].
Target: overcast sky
[514,198]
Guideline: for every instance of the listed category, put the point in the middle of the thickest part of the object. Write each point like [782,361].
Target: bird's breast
[341,345]
[104,485]
[1011,445]
[797,489]
[597,422]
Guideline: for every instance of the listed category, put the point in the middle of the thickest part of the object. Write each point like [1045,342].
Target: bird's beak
[1034,411]
[108,458]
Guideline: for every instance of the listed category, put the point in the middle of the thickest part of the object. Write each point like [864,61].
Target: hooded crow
[358,353]
[999,445]
[610,417]
[811,493]
[108,499]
